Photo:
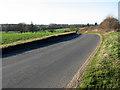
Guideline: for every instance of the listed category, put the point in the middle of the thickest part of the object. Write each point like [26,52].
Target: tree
[31,27]
[20,27]
[7,28]
[88,24]
[51,27]
[26,28]
[95,24]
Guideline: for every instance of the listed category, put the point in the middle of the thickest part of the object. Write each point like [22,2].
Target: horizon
[57,12]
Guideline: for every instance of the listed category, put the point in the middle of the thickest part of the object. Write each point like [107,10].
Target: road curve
[51,66]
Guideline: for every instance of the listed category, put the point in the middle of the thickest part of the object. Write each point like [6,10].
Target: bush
[109,24]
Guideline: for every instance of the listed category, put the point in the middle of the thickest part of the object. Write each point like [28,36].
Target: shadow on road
[37,44]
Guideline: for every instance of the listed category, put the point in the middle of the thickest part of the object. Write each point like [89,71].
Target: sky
[57,11]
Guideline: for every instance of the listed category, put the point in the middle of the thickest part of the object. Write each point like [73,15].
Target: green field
[104,70]
[12,36]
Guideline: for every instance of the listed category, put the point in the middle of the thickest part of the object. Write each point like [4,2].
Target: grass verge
[21,41]
[104,70]
[13,36]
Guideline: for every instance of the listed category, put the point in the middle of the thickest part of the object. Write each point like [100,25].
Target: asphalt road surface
[52,66]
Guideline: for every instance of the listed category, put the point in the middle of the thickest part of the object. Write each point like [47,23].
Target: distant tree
[26,28]
[31,27]
[35,28]
[20,27]
[7,28]
[95,24]
[88,24]
[51,27]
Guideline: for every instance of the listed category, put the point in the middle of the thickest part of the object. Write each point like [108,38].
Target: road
[52,66]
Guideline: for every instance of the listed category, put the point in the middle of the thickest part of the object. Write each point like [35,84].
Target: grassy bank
[104,69]
[12,38]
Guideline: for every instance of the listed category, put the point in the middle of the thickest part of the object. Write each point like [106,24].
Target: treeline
[22,27]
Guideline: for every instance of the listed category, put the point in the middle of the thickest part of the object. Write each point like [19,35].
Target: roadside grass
[104,69]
